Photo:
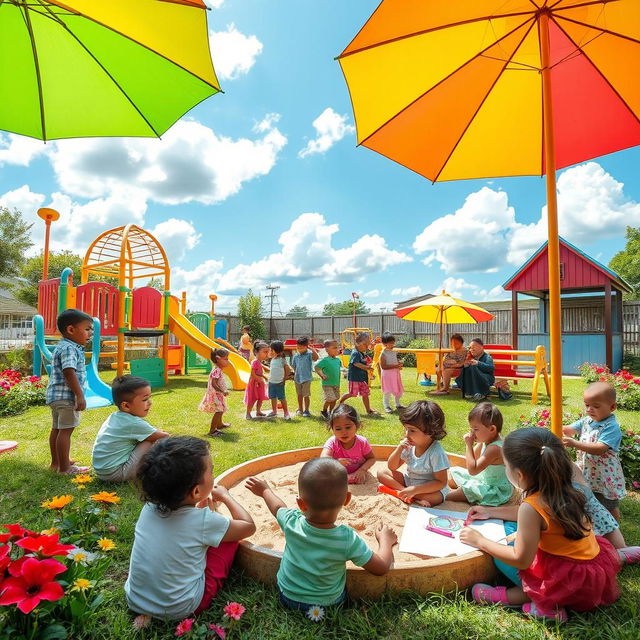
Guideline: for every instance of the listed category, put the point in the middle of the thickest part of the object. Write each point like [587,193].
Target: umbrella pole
[439,376]
[553,246]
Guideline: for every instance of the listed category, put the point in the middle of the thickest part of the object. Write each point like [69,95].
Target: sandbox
[260,555]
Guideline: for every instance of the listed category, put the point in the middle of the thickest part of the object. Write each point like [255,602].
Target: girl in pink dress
[255,393]
[214,400]
[349,448]
[390,379]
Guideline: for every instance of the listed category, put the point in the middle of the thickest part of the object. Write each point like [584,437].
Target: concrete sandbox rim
[424,576]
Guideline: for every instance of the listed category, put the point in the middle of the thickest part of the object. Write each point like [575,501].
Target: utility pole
[273,300]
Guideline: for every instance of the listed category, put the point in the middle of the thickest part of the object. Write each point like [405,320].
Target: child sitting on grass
[313,568]
[426,479]
[484,481]
[183,549]
[125,436]
[65,393]
[348,447]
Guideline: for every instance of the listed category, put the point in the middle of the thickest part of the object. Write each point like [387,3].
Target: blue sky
[246,191]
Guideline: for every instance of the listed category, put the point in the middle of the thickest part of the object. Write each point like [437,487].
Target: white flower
[81,556]
[315,613]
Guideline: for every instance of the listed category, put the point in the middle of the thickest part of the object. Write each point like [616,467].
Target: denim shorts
[276,391]
[303,606]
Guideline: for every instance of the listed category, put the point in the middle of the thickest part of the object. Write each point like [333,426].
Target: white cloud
[199,283]
[474,238]
[191,163]
[484,235]
[374,293]
[22,199]
[177,237]
[330,128]
[20,150]
[407,292]
[233,52]
[460,288]
[591,206]
[307,253]
[214,4]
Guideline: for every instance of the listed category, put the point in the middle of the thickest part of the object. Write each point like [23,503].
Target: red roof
[578,271]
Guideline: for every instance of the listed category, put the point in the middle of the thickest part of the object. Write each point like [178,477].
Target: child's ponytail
[541,457]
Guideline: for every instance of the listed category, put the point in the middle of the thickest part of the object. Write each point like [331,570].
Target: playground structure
[132,315]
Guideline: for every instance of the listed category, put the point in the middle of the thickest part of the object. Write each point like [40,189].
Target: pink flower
[184,627]
[636,484]
[624,386]
[219,630]
[541,423]
[234,610]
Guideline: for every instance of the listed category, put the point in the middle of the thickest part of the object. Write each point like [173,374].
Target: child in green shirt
[329,370]
[313,568]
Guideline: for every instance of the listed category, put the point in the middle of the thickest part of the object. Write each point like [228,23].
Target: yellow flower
[106,544]
[106,497]
[51,532]
[79,557]
[81,584]
[57,502]
[82,478]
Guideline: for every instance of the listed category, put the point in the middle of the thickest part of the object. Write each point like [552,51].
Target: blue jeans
[504,568]
[303,606]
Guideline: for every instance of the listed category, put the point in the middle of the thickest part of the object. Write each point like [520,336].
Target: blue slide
[96,392]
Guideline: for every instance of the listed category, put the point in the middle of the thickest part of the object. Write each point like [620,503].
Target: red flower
[600,370]
[34,583]
[542,423]
[15,532]
[4,558]
[45,545]
[218,630]
[234,610]
[184,627]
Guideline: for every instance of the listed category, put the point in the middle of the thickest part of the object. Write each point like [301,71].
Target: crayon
[442,532]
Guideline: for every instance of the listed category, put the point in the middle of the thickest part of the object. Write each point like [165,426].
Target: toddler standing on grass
[183,549]
[255,393]
[313,569]
[65,393]
[598,445]
[358,374]
[302,365]
[279,373]
[391,381]
[215,399]
[245,343]
[329,371]
[125,436]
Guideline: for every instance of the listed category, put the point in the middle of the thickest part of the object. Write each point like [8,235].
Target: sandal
[629,555]
[224,425]
[486,594]
[214,434]
[531,609]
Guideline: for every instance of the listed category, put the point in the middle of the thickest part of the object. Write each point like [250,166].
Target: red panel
[100,300]
[146,307]
[48,304]
[590,119]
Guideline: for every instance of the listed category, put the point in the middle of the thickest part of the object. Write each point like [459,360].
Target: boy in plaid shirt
[65,393]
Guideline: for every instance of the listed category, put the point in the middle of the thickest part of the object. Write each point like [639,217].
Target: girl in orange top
[561,562]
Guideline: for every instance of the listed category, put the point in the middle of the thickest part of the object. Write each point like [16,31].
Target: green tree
[14,241]
[250,314]
[626,263]
[32,272]
[297,311]
[345,308]
[156,283]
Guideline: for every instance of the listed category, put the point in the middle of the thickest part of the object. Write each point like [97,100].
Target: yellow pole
[553,246]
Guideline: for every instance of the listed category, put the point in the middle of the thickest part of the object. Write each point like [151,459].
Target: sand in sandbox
[366,509]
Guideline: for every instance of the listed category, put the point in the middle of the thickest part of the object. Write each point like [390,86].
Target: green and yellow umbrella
[82,68]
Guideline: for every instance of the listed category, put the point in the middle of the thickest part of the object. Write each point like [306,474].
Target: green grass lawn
[25,482]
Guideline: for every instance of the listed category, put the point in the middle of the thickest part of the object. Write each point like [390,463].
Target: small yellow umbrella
[443,309]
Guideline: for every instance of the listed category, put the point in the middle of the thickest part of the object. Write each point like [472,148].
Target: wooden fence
[579,315]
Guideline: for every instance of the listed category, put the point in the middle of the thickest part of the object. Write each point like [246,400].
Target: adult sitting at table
[476,376]
[452,364]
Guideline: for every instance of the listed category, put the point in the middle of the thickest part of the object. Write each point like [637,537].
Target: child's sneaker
[558,615]
[629,555]
[287,416]
[324,414]
[486,594]
[272,414]
[299,413]
[388,410]
[306,414]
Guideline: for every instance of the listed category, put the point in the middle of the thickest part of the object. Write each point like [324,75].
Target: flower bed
[50,581]
[542,418]
[627,385]
[18,392]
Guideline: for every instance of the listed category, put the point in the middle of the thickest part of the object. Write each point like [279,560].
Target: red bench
[503,370]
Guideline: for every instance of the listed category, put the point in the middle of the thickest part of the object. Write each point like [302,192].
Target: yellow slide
[189,335]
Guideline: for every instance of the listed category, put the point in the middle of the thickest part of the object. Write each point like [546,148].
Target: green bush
[409,359]
[17,359]
[18,393]
[631,363]
[630,458]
